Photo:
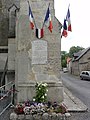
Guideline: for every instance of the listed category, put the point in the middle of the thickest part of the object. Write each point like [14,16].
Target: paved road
[3,104]
[6,114]
[79,88]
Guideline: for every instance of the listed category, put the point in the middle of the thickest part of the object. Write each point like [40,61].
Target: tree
[65,55]
[74,49]
[63,59]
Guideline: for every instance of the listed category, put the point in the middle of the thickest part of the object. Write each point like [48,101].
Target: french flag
[68,20]
[39,33]
[64,33]
[31,19]
[48,20]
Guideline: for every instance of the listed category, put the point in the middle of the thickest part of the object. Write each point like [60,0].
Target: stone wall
[75,68]
[26,35]
[3,26]
[84,62]
[4,20]
[11,54]
[3,58]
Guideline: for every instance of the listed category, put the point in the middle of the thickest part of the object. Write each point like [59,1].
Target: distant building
[69,63]
[81,61]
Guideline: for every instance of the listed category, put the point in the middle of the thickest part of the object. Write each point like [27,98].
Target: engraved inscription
[39,52]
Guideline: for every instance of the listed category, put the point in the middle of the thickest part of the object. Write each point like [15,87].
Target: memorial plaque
[39,52]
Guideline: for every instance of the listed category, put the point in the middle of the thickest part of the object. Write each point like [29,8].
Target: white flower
[47,90]
[39,88]
[34,99]
[45,84]
[45,94]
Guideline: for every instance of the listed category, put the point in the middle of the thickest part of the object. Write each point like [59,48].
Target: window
[2,50]
[83,72]
[87,73]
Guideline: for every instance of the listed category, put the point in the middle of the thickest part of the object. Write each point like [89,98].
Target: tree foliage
[74,49]
[63,59]
[65,55]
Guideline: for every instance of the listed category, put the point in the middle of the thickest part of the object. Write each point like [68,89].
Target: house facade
[81,63]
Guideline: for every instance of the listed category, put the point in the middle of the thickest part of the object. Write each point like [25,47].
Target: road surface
[79,88]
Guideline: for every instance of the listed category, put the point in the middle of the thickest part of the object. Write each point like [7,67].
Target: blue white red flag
[64,32]
[31,19]
[48,20]
[68,20]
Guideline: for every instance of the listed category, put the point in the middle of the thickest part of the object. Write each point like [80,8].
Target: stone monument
[37,60]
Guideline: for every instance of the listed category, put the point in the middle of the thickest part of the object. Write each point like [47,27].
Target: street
[79,88]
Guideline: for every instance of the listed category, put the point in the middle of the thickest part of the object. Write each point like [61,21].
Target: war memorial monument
[37,59]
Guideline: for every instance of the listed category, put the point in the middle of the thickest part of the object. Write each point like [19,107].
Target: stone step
[45,116]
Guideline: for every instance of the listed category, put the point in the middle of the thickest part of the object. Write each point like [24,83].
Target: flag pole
[32,14]
[67,9]
[45,16]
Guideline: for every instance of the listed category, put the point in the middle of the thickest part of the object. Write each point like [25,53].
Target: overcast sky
[80,21]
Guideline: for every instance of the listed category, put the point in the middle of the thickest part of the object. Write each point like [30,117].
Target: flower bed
[39,107]
[29,107]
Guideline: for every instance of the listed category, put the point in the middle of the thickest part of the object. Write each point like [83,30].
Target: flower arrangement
[29,107]
[40,103]
[41,92]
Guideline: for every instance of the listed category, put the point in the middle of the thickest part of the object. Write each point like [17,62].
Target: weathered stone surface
[4,21]
[67,114]
[39,52]
[37,117]
[3,31]
[59,116]
[54,116]
[21,117]
[11,54]
[42,63]
[13,116]
[28,117]
[45,116]
[3,58]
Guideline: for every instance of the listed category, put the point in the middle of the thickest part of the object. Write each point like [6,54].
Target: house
[69,64]
[81,61]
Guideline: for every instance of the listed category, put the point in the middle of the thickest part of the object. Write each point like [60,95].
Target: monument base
[27,91]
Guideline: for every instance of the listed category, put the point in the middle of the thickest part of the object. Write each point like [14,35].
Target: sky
[80,22]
